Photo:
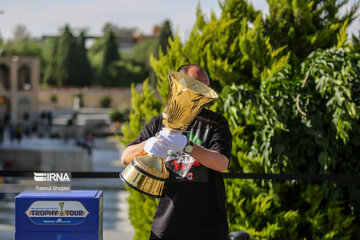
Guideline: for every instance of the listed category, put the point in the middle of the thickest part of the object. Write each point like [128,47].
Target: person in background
[11,132]
[18,132]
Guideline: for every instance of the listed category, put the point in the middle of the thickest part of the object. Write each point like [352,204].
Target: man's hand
[155,147]
[172,140]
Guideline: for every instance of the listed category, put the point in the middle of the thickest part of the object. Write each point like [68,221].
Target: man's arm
[132,151]
[210,158]
[217,153]
[152,146]
[136,148]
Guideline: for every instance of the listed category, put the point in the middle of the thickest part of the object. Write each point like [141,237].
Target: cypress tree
[163,40]
[110,49]
[95,59]
[65,59]
[110,55]
[83,73]
[49,52]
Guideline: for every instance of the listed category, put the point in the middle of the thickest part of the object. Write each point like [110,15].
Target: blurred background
[78,79]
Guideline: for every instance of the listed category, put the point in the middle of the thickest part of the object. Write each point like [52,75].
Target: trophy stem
[173,130]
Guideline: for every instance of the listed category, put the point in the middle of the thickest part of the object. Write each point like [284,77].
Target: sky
[46,17]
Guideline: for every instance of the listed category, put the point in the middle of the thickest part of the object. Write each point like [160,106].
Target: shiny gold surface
[187,97]
[152,165]
[151,183]
[61,204]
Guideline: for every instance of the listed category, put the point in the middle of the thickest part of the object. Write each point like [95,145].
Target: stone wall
[91,97]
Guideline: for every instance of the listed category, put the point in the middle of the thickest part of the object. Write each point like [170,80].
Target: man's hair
[185,68]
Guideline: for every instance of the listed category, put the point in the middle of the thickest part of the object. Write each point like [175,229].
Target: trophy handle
[163,166]
[164,169]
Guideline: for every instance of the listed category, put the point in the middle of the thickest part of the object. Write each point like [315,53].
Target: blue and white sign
[56,212]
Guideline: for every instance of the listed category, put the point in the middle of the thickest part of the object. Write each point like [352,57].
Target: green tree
[140,53]
[110,27]
[110,49]
[112,70]
[163,39]
[104,57]
[355,40]
[129,73]
[83,73]
[65,60]
[95,58]
[281,140]
[304,26]
[140,57]
[21,44]
[25,48]
[49,52]
[110,55]
[65,72]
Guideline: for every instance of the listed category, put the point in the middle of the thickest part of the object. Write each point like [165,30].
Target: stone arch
[4,109]
[4,77]
[24,78]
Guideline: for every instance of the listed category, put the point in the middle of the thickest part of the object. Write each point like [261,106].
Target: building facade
[19,85]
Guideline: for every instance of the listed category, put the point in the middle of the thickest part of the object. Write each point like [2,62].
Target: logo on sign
[57,212]
[51,177]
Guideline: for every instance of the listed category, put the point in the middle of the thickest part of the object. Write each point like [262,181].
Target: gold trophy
[61,204]
[187,97]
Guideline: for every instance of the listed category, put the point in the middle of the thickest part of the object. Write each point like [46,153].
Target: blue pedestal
[59,216]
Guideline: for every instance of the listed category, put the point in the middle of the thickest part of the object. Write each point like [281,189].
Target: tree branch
[302,86]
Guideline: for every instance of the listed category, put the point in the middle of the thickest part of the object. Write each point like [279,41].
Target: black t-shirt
[193,205]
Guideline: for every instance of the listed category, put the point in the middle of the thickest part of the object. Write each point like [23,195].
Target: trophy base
[144,179]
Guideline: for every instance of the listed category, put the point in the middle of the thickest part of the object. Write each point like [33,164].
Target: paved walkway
[39,143]
[105,157]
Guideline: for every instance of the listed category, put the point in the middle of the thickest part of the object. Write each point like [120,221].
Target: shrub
[117,115]
[53,99]
[105,101]
[142,207]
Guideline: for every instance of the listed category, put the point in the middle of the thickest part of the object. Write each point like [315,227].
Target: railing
[227,175]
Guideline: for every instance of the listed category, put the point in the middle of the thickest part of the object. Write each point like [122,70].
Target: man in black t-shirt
[193,205]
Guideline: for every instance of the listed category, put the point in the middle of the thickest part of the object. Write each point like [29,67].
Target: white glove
[172,140]
[155,147]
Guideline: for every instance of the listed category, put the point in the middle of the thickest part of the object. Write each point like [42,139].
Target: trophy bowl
[187,97]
